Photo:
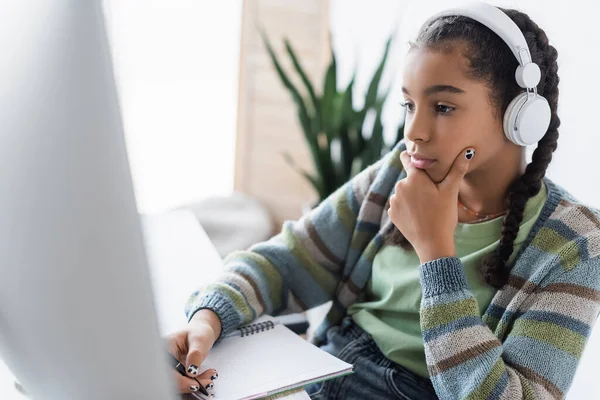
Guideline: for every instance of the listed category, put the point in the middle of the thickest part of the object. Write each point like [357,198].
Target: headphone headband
[498,22]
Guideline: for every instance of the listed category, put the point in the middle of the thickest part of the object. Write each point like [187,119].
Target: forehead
[424,67]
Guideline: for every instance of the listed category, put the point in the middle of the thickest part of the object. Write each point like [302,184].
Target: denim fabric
[375,377]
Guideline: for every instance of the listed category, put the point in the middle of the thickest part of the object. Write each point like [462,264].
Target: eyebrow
[437,89]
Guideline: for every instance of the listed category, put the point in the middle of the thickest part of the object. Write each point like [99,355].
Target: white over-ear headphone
[527,117]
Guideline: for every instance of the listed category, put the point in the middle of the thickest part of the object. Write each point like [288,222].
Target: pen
[181,369]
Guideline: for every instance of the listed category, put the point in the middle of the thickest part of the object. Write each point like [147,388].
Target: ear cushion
[526,120]
[510,116]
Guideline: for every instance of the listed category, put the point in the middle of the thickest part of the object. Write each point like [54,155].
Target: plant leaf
[375,146]
[305,79]
[345,128]
[328,101]
[371,97]
[400,132]
[314,181]
[306,123]
[329,92]
[288,84]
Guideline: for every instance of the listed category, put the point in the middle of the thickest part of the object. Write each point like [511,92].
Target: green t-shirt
[390,312]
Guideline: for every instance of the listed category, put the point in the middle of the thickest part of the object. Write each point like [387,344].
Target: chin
[435,175]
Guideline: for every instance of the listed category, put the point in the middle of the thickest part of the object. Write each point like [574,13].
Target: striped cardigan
[526,345]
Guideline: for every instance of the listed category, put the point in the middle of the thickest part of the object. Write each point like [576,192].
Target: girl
[456,270]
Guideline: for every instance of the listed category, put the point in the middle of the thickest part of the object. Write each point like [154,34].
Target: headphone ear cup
[510,116]
[526,121]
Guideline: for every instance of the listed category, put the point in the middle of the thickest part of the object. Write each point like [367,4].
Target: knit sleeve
[294,271]
[545,339]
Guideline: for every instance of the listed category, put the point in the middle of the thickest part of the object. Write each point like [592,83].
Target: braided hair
[492,62]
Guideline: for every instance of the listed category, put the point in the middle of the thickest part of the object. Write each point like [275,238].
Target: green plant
[340,138]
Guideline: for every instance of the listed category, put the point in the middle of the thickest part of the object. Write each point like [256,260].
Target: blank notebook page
[267,361]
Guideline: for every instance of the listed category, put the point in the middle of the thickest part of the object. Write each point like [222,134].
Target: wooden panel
[267,116]
[303,30]
[294,6]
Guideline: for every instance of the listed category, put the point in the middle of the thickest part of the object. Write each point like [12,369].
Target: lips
[420,161]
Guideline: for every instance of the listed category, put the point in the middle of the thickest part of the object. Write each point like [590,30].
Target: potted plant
[340,138]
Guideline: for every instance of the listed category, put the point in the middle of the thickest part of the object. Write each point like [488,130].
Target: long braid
[495,270]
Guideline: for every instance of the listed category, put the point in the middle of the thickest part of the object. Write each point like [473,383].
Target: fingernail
[215,376]
[193,369]
[199,388]
[210,385]
[470,154]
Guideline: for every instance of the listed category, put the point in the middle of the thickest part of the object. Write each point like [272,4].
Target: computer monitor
[77,318]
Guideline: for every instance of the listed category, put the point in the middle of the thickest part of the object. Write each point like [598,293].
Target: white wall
[177,70]
[572,29]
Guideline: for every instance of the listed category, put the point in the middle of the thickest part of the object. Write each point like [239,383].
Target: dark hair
[492,62]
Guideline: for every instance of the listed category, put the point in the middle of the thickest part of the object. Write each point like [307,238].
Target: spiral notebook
[266,358]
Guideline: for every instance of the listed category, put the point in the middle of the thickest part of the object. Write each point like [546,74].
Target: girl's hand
[191,346]
[426,212]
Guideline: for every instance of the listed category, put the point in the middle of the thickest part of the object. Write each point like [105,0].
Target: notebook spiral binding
[255,328]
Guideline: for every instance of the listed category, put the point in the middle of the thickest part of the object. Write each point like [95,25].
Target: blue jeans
[375,377]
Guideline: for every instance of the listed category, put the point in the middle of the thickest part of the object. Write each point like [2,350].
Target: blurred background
[210,123]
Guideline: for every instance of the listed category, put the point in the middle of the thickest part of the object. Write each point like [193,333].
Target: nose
[418,128]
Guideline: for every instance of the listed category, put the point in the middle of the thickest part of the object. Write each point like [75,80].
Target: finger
[177,345]
[211,374]
[185,384]
[458,170]
[207,384]
[198,347]
[208,378]
[405,159]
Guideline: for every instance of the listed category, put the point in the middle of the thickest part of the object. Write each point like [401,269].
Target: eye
[410,108]
[442,109]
